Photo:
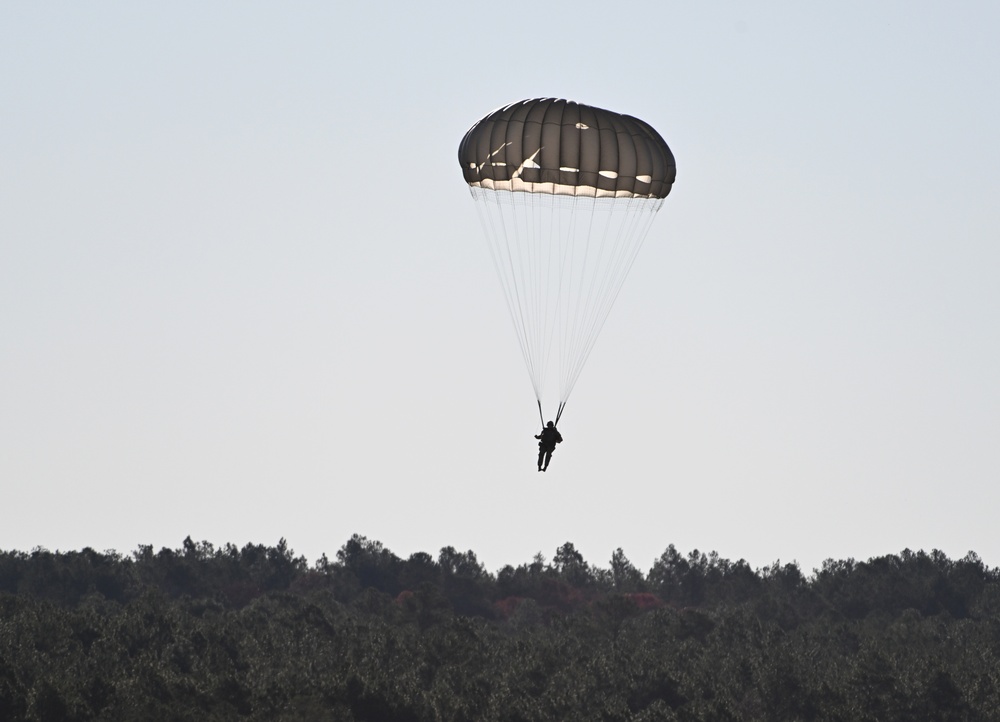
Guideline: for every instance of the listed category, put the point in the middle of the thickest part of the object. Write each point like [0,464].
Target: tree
[624,576]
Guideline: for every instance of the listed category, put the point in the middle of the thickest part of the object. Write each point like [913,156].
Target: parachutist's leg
[541,456]
[548,458]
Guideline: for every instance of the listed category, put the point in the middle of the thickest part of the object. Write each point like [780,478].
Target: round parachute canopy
[557,146]
[566,194]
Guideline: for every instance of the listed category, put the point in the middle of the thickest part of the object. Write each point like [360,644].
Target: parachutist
[547,441]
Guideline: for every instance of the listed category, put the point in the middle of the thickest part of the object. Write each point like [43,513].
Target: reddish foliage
[644,601]
[507,606]
[561,596]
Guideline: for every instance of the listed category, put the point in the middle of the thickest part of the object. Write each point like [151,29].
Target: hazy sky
[244,293]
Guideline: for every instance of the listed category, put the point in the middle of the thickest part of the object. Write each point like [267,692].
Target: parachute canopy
[566,194]
[558,146]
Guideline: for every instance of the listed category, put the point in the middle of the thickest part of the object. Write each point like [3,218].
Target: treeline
[258,633]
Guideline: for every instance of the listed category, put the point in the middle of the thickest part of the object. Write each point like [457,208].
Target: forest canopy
[256,632]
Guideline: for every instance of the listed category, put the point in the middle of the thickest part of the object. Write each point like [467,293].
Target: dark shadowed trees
[256,633]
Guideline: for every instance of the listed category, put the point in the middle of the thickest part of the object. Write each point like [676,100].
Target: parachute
[566,194]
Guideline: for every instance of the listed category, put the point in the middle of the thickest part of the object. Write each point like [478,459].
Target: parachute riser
[559,413]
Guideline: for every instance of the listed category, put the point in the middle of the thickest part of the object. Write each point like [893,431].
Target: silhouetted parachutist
[547,441]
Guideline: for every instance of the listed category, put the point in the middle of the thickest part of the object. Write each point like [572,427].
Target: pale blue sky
[244,293]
